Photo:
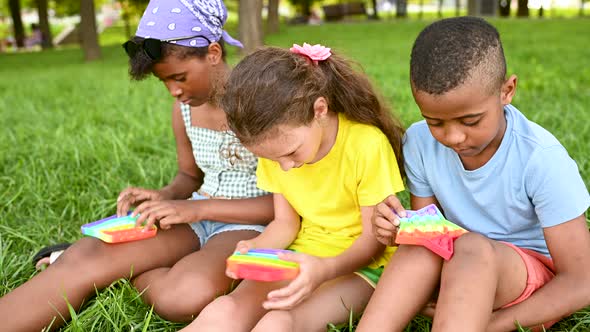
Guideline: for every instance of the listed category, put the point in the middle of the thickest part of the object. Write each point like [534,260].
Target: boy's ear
[320,107]
[214,53]
[508,89]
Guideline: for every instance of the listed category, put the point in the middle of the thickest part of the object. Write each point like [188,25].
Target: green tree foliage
[65,7]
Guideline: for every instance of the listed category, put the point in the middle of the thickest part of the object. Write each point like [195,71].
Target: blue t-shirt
[529,183]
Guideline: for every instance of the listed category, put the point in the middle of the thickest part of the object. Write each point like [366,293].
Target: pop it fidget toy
[262,265]
[429,228]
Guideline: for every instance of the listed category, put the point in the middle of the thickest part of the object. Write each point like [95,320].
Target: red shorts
[540,270]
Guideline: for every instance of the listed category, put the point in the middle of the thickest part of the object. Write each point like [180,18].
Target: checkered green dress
[230,169]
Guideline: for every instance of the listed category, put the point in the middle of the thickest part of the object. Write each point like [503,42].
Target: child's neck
[329,136]
[477,161]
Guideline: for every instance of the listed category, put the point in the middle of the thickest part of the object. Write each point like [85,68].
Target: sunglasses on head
[152,47]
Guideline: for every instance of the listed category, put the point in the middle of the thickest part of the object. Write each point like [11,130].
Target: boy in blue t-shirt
[493,172]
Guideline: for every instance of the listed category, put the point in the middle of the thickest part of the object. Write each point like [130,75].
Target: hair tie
[315,52]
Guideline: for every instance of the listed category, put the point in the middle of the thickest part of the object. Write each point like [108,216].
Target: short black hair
[141,65]
[446,53]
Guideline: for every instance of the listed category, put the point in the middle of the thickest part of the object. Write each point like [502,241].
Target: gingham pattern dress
[229,168]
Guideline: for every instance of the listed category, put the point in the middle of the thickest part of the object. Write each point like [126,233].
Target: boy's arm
[568,291]
[400,295]
[419,202]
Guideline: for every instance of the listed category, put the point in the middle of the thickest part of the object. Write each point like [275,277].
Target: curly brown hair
[274,86]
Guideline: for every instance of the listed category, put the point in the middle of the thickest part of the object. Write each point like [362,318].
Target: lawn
[75,134]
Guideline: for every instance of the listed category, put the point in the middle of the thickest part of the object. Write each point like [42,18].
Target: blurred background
[27,25]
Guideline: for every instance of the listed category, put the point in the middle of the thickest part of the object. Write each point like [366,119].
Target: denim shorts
[206,229]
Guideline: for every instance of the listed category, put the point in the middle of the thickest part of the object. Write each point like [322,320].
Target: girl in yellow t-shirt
[329,152]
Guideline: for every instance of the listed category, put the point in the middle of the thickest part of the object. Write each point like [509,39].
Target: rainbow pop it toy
[429,228]
[115,229]
[262,265]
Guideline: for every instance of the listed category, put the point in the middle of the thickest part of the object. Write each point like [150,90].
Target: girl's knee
[218,311]
[180,299]
[277,320]
[86,251]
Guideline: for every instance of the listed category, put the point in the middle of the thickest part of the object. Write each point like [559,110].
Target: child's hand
[386,220]
[311,275]
[168,213]
[242,247]
[133,196]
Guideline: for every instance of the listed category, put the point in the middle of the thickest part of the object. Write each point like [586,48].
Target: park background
[76,130]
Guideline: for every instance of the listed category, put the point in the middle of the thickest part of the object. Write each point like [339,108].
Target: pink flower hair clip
[315,52]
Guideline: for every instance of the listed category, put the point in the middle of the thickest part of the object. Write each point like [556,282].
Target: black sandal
[46,251]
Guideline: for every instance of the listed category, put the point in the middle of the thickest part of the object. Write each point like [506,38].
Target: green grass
[75,134]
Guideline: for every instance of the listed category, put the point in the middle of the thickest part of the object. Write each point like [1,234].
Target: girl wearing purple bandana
[211,204]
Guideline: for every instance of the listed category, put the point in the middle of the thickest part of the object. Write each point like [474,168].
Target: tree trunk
[505,8]
[127,24]
[421,11]
[46,38]
[17,23]
[457,7]
[523,8]
[401,8]
[375,10]
[272,21]
[306,8]
[88,33]
[250,24]
[126,16]
[439,9]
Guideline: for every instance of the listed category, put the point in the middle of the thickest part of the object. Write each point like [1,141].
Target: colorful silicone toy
[117,229]
[262,265]
[429,228]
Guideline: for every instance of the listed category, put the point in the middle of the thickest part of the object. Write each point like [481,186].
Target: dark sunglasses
[152,47]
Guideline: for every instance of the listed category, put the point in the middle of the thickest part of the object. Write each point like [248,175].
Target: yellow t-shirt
[359,170]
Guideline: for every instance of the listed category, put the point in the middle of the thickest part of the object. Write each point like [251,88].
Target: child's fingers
[123,203]
[388,241]
[294,287]
[155,214]
[167,222]
[382,223]
[149,224]
[291,257]
[140,211]
[243,246]
[230,274]
[395,204]
[124,193]
[142,208]
[384,211]
[131,196]
[380,232]
[148,211]
[286,302]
